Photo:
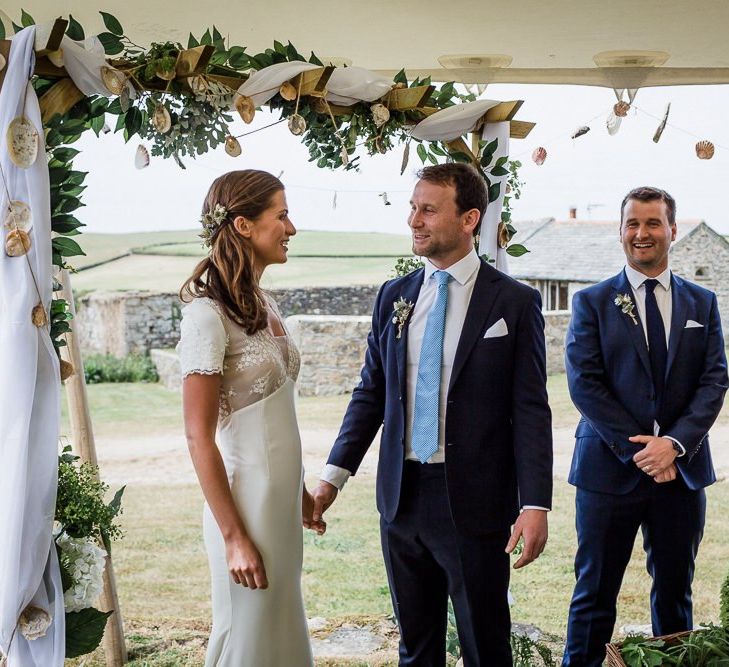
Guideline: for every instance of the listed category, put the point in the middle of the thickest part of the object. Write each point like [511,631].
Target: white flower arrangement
[210,222]
[625,303]
[401,312]
[84,561]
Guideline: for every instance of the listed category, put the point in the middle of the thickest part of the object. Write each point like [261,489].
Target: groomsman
[646,369]
[455,367]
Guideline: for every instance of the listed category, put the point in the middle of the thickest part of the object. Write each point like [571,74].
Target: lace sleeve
[202,339]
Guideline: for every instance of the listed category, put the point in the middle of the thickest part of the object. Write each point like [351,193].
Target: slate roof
[574,250]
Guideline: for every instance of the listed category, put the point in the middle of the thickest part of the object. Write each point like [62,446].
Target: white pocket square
[497,329]
[690,324]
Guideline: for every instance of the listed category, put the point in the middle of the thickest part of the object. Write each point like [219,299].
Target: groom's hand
[324,495]
[532,526]
[657,455]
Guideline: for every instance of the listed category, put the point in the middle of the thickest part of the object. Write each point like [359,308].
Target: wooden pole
[115,650]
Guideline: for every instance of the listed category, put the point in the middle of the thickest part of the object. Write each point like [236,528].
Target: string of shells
[297,125]
[245,108]
[22,140]
[161,119]
[539,155]
[141,157]
[114,80]
[704,150]
[18,222]
[621,109]
[232,146]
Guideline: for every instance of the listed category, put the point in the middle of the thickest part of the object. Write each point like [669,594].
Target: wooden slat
[320,106]
[54,39]
[59,99]
[460,146]
[232,82]
[403,99]
[520,129]
[46,69]
[193,61]
[503,111]
[5,50]
[313,82]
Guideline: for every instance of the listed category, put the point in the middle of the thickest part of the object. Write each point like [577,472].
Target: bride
[239,366]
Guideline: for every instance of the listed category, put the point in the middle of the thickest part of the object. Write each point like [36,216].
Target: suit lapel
[482,301]
[635,331]
[678,319]
[410,291]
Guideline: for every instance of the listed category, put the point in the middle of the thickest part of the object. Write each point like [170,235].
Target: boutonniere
[625,303]
[401,312]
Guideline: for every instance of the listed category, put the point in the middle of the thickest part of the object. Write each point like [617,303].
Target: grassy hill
[160,261]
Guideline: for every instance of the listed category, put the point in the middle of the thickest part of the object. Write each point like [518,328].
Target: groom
[455,366]
[647,371]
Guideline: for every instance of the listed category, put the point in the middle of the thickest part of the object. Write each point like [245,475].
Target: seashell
[232,146]
[508,189]
[704,150]
[141,157]
[612,123]
[3,62]
[161,120]
[67,370]
[297,125]
[197,84]
[22,138]
[17,243]
[56,57]
[124,100]
[114,80]
[287,91]
[580,131]
[165,74]
[39,316]
[405,158]
[503,236]
[380,114]
[18,216]
[539,155]
[34,622]
[246,108]
[621,109]
[662,126]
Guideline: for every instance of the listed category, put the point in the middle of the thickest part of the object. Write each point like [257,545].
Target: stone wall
[555,329]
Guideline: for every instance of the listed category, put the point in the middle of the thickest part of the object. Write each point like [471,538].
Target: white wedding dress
[258,438]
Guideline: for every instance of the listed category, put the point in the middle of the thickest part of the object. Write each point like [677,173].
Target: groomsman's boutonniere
[625,303]
[401,312]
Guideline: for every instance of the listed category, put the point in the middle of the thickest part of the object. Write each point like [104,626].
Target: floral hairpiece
[210,222]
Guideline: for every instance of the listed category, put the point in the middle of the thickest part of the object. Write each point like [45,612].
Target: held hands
[245,563]
[324,495]
[656,457]
[532,526]
[668,475]
[307,511]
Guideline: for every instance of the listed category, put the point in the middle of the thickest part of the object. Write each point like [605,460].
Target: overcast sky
[591,173]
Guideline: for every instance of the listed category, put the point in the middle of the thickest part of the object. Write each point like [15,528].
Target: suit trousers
[671,517]
[428,560]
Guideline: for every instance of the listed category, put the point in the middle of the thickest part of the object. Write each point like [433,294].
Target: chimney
[573,213]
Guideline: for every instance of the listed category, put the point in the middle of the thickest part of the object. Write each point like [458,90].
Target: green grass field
[162,260]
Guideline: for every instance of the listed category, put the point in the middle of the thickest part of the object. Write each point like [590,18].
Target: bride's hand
[307,511]
[245,563]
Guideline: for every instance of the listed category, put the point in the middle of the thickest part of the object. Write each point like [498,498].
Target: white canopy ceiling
[530,41]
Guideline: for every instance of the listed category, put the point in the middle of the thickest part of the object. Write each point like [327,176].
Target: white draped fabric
[349,85]
[452,122]
[490,224]
[262,85]
[29,395]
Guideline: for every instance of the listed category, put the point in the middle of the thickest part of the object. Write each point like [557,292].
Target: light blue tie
[427,389]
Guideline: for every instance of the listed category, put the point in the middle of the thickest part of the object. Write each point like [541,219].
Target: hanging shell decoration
[67,370]
[39,316]
[297,125]
[662,126]
[18,216]
[405,158]
[22,138]
[56,57]
[287,91]
[246,108]
[612,123]
[539,155]
[704,150]
[141,157]
[621,109]
[232,146]
[34,622]
[114,80]
[502,235]
[580,131]
[17,243]
[3,62]
[161,119]
[380,114]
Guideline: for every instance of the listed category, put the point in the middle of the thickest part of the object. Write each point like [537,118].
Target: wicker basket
[614,659]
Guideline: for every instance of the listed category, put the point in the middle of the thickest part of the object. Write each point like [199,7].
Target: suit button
[450,401]
[399,398]
[449,444]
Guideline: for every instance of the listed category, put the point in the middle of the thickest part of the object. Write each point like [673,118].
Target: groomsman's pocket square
[691,324]
[497,330]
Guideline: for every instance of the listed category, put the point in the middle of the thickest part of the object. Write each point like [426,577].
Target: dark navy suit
[498,458]
[609,376]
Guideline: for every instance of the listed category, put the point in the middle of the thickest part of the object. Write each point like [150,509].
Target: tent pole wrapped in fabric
[30,393]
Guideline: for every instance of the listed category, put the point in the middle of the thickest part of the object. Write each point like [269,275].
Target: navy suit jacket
[498,453]
[609,376]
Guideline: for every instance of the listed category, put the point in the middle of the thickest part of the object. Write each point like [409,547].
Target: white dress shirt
[665,307]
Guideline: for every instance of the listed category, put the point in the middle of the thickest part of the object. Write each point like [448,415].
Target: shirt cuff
[335,475]
[535,507]
[680,446]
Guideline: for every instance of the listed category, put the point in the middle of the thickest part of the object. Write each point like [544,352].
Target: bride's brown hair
[226,275]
